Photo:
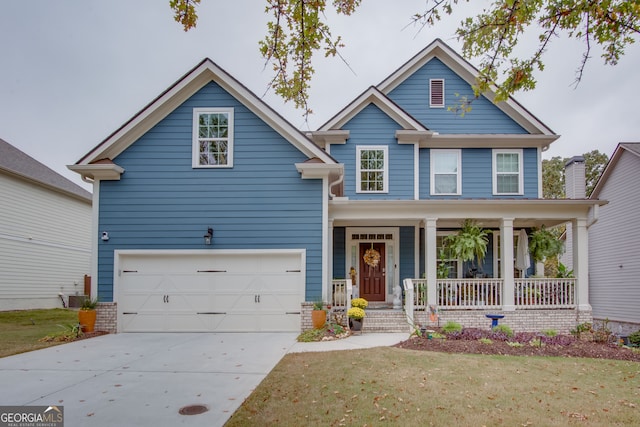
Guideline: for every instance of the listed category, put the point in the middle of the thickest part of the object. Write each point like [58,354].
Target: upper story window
[446,176]
[373,169]
[507,172]
[212,137]
[436,93]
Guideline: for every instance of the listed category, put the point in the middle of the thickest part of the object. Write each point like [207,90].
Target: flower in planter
[356,313]
[359,303]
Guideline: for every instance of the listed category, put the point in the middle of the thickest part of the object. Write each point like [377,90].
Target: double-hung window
[372,174]
[507,172]
[445,172]
[212,137]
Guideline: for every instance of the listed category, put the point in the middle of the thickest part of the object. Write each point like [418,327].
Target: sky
[73,71]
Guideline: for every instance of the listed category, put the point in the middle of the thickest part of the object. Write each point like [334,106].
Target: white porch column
[506,264]
[327,294]
[431,259]
[581,262]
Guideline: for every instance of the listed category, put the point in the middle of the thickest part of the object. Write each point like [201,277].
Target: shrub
[550,333]
[359,303]
[451,327]
[485,341]
[634,338]
[504,329]
[514,344]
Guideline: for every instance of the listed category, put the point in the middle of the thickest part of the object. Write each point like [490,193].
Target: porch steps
[380,320]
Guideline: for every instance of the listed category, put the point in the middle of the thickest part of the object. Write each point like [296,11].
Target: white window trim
[195,148]
[458,174]
[385,181]
[517,151]
[431,104]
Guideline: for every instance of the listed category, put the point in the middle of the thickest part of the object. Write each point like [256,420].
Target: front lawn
[21,331]
[407,387]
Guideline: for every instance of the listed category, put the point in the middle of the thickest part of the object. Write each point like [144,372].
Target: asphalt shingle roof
[18,163]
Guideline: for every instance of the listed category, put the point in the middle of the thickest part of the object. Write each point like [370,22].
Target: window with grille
[507,172]
[212,137]
[372,171]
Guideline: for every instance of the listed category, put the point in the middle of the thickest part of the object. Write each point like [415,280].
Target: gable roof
[18,163]
[466,71]
[629,147]
[373,96]
[203,73]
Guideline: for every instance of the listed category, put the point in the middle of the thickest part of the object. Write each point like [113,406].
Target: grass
[20,331]
[403,387]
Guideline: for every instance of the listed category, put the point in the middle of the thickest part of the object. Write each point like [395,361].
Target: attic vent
[436,90]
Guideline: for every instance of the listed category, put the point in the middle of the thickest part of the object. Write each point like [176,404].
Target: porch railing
[545,293]
[481,294]
[470,293]
[341,292]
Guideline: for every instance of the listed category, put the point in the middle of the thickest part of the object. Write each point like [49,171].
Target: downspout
[596,215]
[334,183]
[86,179]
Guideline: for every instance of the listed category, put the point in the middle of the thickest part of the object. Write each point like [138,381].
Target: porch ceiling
[450,213]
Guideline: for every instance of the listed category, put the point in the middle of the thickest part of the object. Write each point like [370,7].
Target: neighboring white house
[614,243]
[45,233]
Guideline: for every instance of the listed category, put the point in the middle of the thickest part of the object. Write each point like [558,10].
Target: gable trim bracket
[420,137]
[313,170]
[98,171]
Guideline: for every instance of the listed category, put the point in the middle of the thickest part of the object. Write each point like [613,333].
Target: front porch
[538,304]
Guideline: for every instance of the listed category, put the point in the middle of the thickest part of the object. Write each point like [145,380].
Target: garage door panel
[226,292]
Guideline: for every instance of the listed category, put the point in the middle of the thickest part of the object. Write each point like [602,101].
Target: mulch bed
[576,348]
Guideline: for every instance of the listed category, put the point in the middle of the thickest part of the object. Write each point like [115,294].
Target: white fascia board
[318,170]
[373,96]
[450,213]
[466,71]
[184,88]
[488,140]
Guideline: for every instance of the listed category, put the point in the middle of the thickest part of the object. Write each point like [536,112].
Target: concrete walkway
[144,379]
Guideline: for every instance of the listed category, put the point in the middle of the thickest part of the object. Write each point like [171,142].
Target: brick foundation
[107,317]
[561,321]
[305,316]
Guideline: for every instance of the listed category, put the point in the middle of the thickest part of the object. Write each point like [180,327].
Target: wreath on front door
[371,257]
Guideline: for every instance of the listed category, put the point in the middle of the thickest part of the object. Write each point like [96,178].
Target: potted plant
[544,244]
[356,313]
[87,314]
[470,243]
[318,315]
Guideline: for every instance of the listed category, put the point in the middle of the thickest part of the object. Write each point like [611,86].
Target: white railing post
[408,300]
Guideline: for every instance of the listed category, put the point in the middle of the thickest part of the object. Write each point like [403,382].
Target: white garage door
[203,291]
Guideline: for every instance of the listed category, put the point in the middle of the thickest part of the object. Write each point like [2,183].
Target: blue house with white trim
[213,213]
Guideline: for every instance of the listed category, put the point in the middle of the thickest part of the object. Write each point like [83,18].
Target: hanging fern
[544,244]
[470,242]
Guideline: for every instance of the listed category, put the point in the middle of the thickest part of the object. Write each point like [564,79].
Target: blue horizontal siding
[413,96]
[372,126]
[161,202]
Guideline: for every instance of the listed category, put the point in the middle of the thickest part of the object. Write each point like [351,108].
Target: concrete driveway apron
[144,379]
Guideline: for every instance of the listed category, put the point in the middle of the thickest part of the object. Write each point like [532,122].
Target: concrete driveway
[144,379]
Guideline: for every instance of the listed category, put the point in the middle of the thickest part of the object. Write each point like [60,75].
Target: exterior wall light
[105,236]
[208,236]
